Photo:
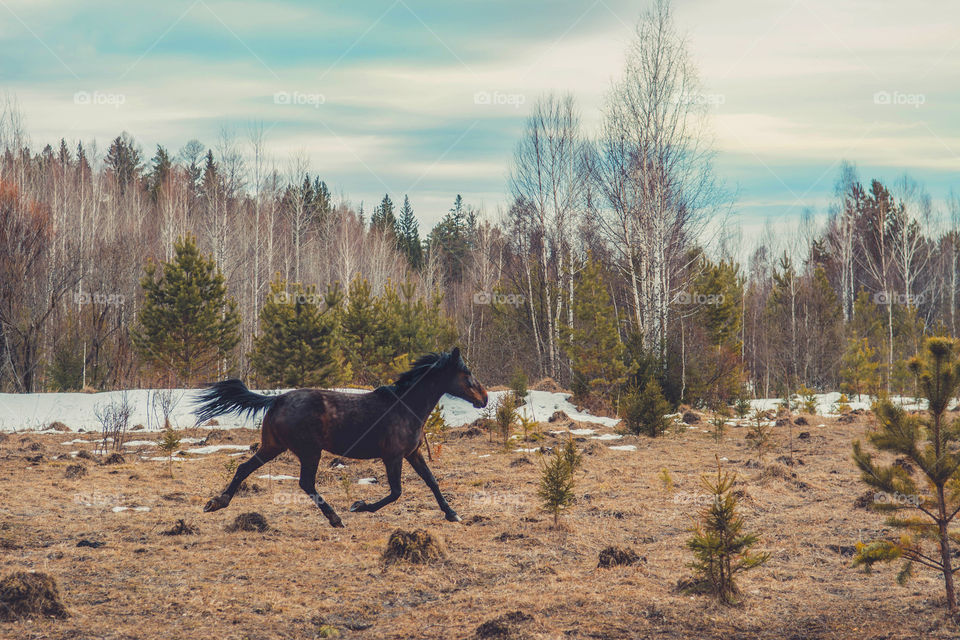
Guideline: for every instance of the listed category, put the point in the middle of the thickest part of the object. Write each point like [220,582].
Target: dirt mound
[617,557]
[75,471]
[182,529]
[114,458]
[560,416]
[218,435]
[691,418]
[506,627]
[418,547]
[27,595]
[800,421]
[475,429]
[547,384]
[252,521]
[83,454]
[58,426]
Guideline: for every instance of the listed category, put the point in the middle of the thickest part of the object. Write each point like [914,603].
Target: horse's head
[461,383]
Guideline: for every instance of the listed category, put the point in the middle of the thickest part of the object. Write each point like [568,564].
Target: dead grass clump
[182,529]
[776,472]
[617,557]
[83,454]
[75,471]
[559,416]
[114,458]
[58,426]
[417,547]
[252,521]
[519,462]
[27,595]
[33,446]
[547,384]
[247,489]
[505,627]
[690,417]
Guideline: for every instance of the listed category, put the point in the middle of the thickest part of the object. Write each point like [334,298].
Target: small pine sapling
[645,411]
[528,424]
[506,416]
[434,427]
[557,479]
[742,407]
[518,384]
[842,405]
[666,481]
[931,446]
[169,442]
[808,400]
[721,549]
[759,434]
[719,423]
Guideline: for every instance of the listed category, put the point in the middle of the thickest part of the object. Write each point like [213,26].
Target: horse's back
[307,421]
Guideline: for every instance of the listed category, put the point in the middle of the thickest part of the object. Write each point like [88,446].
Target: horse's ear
[455,355]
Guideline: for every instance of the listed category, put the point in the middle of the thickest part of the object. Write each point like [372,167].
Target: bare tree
[653,167]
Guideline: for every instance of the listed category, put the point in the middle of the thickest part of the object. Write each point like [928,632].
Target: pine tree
[159,172]
[930,446]
[720,548]
[188,324]
[363,330]
[557,479]
[123,161]
[858,369]
[299,345]
[645,411]
[592,342]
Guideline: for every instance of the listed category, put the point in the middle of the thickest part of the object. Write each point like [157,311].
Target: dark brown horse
[384,423]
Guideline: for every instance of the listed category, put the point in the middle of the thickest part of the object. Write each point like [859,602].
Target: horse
[385,423]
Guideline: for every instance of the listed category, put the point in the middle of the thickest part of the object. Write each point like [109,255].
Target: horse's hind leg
[260,458]
[393,477]
[308,482]
[420,466]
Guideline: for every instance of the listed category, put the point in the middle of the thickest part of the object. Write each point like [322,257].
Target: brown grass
[301,575]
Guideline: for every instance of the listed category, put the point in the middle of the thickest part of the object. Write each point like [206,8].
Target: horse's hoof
[214,504]
[337,524]
[359,505]
[452,517]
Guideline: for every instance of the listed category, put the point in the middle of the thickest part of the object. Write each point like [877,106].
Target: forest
[617,261]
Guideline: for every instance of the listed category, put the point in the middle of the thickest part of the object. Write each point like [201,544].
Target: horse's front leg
[393,467]
[420,466]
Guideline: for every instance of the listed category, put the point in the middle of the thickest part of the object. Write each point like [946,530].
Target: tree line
[610,267]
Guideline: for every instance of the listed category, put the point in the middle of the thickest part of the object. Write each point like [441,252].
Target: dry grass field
[303,579]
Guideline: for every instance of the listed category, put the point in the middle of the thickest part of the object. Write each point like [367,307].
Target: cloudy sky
[428,97]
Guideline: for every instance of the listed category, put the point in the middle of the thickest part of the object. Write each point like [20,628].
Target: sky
[428,98]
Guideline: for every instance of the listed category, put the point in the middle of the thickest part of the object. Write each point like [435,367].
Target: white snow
[607,436]
[140,443]
[367,481]
[119,509]
[623,447]
[277,477]
[213,448]
[26,411]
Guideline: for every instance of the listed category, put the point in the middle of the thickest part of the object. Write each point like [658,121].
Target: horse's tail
[230,396]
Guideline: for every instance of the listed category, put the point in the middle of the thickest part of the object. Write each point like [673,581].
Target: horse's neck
[423,400]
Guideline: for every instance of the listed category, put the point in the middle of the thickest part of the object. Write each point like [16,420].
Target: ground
[304,579]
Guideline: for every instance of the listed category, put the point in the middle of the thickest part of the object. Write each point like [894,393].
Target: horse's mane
[421,368]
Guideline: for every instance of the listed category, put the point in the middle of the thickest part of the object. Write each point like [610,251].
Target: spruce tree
[592,341]
[364,330]
[299,344]
[409,235]
[187,325]
[384,219]
[930,446]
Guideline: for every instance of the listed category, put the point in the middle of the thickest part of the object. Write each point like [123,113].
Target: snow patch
[623,447]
